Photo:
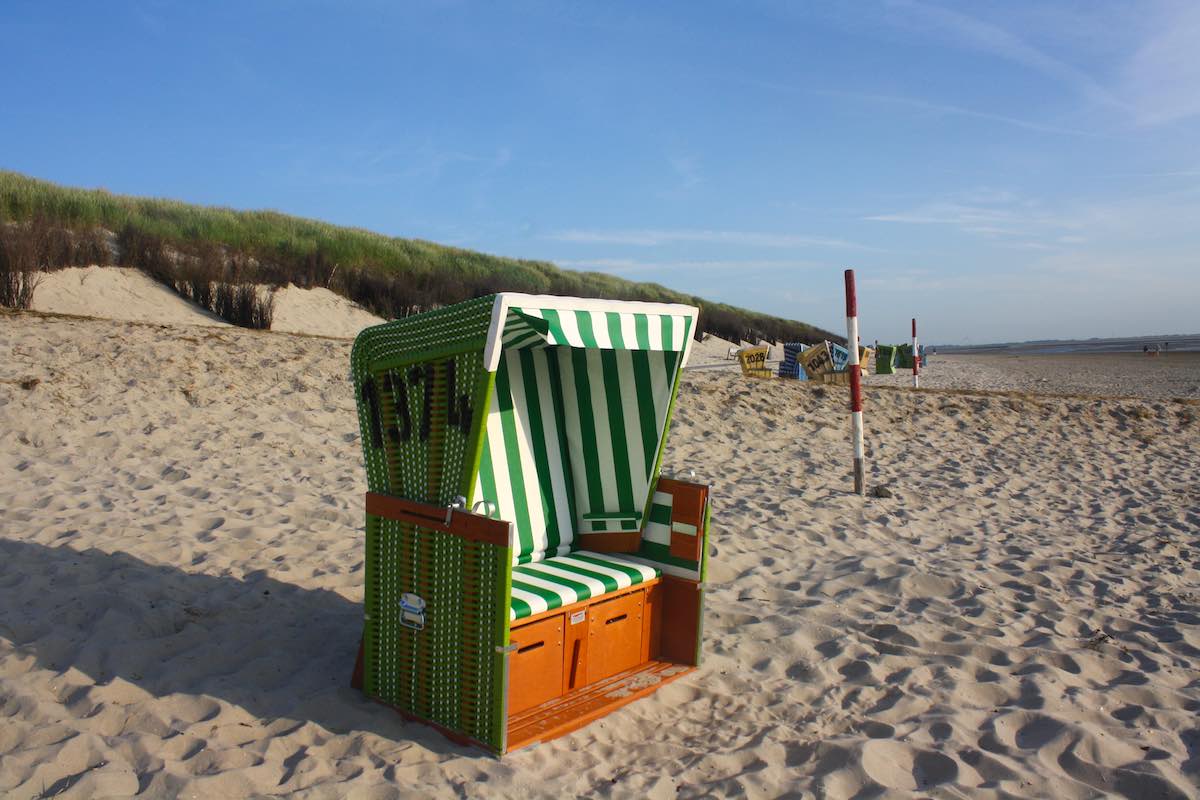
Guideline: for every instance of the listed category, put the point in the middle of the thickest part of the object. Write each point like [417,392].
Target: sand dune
[319,312]
[713,350]
[131,295]
[181,579]
[116,293]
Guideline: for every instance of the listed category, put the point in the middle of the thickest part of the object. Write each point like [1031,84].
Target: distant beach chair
[885,359]
[754,361]
[840,355]
[816,360]
[528,569]
[790,366]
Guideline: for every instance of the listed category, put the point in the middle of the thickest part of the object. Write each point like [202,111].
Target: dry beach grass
[181,573]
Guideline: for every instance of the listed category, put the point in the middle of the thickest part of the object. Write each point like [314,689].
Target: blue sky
[1001,170]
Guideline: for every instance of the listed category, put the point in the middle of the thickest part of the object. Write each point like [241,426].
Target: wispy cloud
[632,265]
[1012,219]
[1036,246]
[1136,228]
[1162,79]
[1156,80]
[657,237]
[959,111]
[962,30]
[1177,173]
[1003,219]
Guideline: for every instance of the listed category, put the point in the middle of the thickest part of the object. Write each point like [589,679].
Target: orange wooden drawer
[614,636]
[575,650]
[536,667]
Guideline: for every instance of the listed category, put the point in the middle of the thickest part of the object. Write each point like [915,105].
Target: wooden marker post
[855,370]
[916,358]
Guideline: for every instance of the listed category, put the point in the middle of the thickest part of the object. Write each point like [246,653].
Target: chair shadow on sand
[279,651]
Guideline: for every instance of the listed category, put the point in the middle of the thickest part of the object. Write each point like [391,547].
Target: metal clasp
[458,502]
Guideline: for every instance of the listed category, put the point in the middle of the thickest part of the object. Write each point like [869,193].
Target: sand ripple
[181,579]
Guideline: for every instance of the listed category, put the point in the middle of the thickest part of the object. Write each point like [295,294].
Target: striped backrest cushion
[524,469]
[577,419]
[616,408]
[573,432]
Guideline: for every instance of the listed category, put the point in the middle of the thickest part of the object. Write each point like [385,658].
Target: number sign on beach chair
[754,361]
[527,568]
[840,355]
[817,360]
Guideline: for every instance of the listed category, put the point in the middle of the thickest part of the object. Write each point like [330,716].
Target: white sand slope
[319,312]
[181,576]
[130,295]
[713,350]
[116,293]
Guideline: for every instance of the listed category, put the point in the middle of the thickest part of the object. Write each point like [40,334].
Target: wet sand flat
[1101,374]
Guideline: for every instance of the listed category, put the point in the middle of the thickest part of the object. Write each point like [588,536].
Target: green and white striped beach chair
[527,568]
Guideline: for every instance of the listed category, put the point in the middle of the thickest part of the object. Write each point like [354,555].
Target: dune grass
[389,275]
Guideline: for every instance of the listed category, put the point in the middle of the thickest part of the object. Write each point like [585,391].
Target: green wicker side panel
[402,407]
[421,426]
[441,667]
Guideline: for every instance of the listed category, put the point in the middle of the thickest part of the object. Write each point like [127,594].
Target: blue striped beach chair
[790,367]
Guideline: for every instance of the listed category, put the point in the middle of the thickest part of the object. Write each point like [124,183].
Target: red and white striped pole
[916,358]
[856,418]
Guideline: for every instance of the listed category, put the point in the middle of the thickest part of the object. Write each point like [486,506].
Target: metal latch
[458,502]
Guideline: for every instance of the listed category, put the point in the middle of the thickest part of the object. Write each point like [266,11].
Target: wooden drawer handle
[616,619]
[529,647]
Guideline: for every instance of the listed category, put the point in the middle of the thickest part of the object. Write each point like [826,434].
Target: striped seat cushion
[563,580]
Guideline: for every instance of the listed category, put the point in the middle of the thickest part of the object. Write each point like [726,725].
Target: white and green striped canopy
[530,326]
[578,415]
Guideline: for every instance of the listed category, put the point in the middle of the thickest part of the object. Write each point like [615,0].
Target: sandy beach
[181,578]
[1176,375]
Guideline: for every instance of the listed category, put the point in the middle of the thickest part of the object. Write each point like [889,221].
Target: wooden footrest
[572,711]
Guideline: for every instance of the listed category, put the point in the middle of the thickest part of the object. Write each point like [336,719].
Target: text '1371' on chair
[527,568]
